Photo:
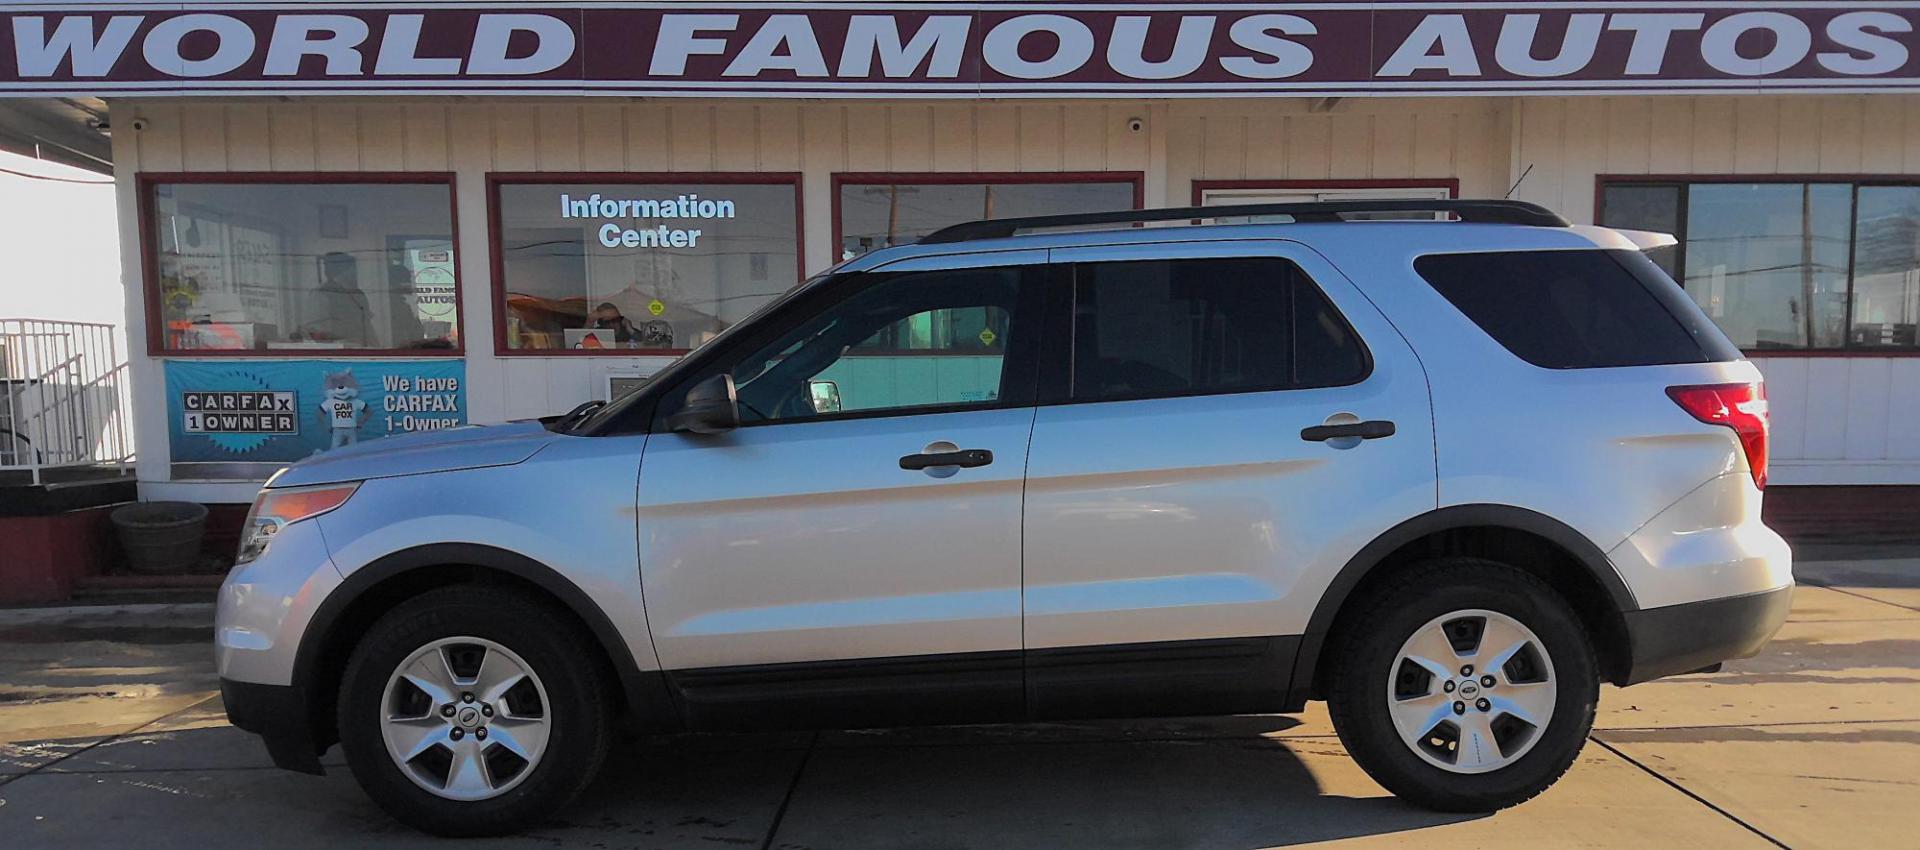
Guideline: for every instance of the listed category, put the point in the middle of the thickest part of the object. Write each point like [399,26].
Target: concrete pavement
[111,735]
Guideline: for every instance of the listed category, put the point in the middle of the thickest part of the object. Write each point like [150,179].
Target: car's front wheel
[1465,686]
[471,711]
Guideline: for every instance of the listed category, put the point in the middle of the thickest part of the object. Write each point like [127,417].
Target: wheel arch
[1527,539]
[378,587]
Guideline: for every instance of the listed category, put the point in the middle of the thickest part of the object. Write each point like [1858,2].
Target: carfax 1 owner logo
[277,411]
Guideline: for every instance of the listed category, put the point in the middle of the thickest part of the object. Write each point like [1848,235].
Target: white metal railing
[64,397]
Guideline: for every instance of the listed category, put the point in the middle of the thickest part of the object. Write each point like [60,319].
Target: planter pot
[161,538]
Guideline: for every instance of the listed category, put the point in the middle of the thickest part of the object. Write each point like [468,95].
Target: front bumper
[266,605]
[279,714]
[1692,636]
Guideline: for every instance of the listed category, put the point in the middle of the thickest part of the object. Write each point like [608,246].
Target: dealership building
[338,221]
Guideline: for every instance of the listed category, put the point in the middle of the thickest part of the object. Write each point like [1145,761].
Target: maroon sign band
[983,49]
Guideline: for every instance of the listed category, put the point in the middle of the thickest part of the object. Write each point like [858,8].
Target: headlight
[276,509]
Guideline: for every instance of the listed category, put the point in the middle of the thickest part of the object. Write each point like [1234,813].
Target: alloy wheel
[1471,691]
[465,718]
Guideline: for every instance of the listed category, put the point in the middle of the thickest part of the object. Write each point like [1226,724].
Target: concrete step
[137,589]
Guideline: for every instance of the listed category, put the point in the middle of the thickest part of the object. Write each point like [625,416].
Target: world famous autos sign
[279,411]
[958,49]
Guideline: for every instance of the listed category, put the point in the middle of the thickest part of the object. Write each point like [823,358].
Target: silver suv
[1449,475]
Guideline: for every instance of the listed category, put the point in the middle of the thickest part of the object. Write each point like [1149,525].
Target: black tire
[578,705]
[1366,647]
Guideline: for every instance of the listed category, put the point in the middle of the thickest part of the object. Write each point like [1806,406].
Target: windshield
[613,410]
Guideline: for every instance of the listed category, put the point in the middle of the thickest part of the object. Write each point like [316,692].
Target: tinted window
[935,339]
[1187,327]
[1577,309]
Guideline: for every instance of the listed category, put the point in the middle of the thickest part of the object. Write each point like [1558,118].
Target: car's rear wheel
[471,711]
[1466,685]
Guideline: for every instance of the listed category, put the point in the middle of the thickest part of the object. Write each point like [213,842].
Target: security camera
[138,124]
[1135,125]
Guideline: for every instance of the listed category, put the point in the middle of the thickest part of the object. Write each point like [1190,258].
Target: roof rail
[1482,211]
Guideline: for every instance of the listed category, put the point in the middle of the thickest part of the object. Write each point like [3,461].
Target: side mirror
[826,396]
[710,408]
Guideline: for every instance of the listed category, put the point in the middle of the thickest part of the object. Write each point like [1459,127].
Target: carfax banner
[279,411]
[958,49]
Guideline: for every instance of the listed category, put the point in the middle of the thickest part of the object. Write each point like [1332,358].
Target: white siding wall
[1836,420]
[1354,139]
[1861,433]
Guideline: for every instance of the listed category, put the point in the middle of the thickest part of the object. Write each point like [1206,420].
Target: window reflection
[1886,283]
[878,215]
[1774,264]
[1768,262]
[291,267]
[640,266]
[1650,208]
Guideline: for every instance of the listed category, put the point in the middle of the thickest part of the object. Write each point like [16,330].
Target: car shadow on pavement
[1227,783]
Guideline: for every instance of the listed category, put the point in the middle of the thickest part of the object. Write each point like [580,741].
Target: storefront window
[1652,208]
[621,267]
[1787,265]
[1235,192]
[1886,267]
[304,267]
[877,213]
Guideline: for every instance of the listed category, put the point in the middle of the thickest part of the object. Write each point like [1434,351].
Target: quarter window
[1576,309]
[1188,327]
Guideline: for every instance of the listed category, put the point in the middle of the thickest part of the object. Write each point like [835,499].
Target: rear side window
[1190,327]
[1577,309]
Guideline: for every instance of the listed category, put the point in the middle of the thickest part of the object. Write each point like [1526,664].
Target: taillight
[276,509]
[1742,407]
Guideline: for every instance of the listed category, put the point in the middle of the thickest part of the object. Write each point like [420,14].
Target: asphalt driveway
[111,735]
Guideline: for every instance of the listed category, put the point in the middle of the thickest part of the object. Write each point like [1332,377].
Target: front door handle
[1369,430]
[967,458]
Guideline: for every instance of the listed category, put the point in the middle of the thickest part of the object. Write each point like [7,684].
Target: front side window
[907,341]
[1188,327]
[1786,265]
[629,267]
[303,267]
[878,213]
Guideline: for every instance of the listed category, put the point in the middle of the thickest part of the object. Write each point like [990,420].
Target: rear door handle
[1370,430]
[967,458]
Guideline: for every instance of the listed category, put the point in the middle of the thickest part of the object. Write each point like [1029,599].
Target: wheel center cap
[468,717]
[1468,689]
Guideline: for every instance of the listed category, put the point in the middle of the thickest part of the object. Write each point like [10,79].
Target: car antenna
[1516,183]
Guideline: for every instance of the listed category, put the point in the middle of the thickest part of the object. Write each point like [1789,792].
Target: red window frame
[842,179]
[497,261]
[146,183]
[1451,184]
